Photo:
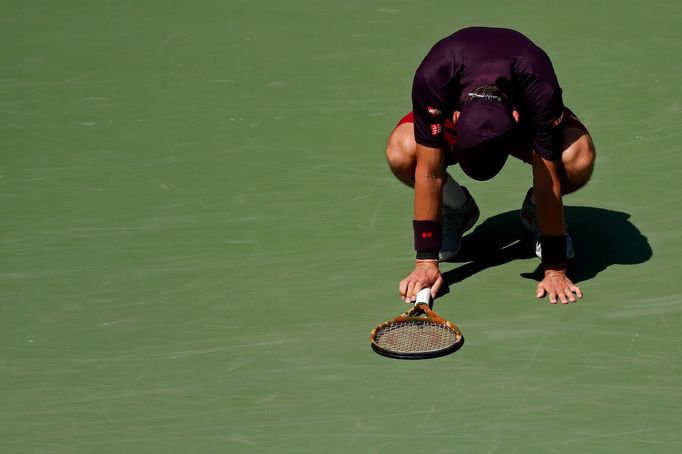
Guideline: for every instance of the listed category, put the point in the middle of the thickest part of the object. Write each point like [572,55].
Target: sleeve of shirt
[428,106]
[546,139]
[544,103]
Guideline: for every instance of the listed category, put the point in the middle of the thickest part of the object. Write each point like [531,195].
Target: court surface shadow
[601,238]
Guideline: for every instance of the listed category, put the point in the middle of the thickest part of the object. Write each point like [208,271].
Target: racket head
[419,333]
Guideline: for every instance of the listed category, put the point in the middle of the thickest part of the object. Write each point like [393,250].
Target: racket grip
[424,296]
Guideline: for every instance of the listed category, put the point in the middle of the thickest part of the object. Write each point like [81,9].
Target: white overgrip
[424,296]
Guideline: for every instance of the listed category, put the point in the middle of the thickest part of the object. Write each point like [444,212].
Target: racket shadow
[601,238]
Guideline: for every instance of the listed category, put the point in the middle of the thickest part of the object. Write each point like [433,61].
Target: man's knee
[584,159]
[401,152]
[578,161]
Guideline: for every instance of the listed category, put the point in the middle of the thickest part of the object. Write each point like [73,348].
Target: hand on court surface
[558,287]
[425,274]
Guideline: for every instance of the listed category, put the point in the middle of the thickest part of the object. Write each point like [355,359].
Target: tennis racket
[419,333]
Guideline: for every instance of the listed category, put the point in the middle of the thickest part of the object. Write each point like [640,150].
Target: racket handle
[424,296]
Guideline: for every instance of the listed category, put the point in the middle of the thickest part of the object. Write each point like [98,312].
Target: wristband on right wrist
[427,239]
[427,255]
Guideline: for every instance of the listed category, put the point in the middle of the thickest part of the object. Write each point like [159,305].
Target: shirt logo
[556,122]
[436,129]
[433,111]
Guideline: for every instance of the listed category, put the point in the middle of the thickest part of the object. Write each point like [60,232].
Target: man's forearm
[548,197]
[428,185]
[550,211]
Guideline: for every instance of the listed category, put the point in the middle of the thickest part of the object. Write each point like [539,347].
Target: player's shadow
[601,238]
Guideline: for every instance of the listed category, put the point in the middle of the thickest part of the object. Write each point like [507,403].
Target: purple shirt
[477,56]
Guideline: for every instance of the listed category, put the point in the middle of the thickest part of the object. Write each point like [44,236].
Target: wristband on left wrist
[553,251]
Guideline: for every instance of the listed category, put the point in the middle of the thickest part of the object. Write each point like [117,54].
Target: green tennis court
[198,230]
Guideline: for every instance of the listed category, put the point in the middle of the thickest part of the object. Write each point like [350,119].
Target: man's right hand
[425,274]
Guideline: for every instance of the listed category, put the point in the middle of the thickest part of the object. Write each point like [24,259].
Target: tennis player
[479,96]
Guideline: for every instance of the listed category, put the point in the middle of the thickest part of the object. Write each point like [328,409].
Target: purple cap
[481,120]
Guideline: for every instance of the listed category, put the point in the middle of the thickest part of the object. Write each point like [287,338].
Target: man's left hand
[558,287]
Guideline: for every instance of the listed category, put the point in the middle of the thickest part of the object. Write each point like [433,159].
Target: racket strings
[416,336]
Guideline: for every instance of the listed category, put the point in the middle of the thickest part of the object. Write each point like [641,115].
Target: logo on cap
[433,111]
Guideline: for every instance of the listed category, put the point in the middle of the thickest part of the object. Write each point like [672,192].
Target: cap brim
[483,162]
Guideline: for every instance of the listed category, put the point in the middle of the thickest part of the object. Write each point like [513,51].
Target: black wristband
[427,236]
[553,251]
[427,255]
